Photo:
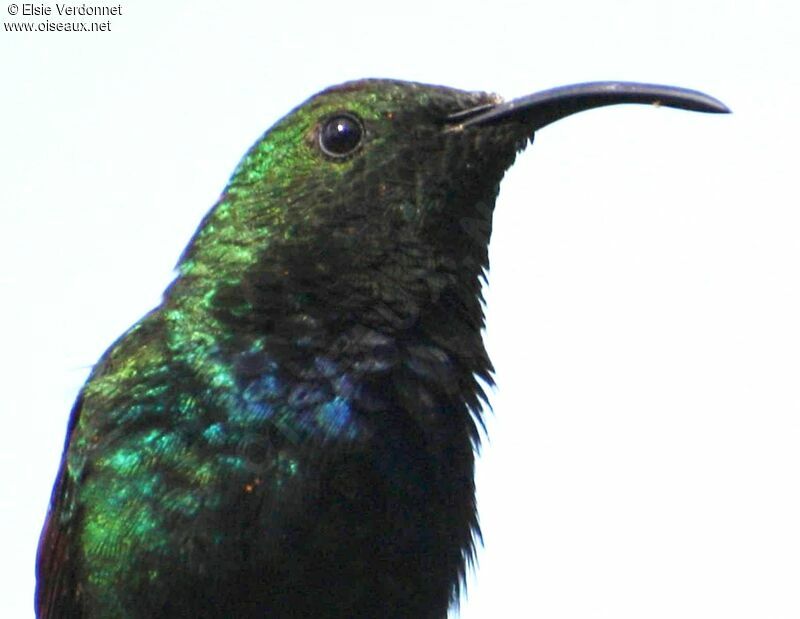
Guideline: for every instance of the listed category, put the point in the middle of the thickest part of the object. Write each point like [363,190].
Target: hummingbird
[292,431]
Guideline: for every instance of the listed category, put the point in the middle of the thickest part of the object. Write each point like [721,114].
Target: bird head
[379,194]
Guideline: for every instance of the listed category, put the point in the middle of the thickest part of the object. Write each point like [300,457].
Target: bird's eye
[340,135]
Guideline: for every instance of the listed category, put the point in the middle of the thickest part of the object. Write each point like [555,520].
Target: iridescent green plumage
[291,432]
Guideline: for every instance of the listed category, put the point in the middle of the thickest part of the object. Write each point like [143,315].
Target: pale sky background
[644,298]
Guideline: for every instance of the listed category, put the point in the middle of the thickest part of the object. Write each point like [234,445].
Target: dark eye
[340,135]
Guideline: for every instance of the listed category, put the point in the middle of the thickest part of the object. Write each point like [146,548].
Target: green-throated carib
[291,432]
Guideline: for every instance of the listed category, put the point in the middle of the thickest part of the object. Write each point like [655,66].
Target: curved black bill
[542,108]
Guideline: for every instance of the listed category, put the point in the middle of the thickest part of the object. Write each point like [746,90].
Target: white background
[644,304]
